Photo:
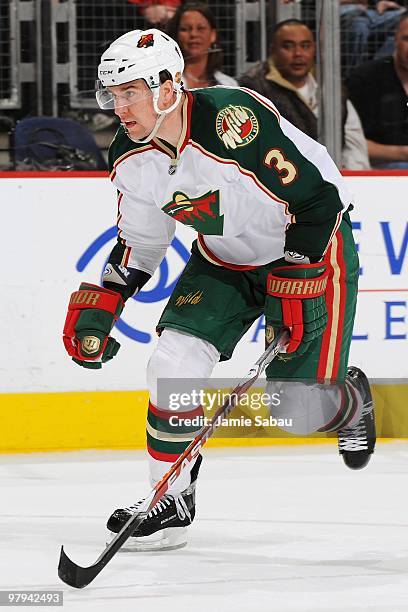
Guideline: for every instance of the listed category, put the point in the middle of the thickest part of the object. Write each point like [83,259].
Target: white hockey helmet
[139,54]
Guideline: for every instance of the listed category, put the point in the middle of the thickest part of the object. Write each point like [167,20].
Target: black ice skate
[165,527]
[356,444]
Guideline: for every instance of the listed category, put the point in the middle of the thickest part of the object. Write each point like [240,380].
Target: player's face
[293,52]
[134,107]
[195,35]
[401,45]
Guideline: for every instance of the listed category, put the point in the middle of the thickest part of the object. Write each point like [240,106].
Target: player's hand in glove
[92,312]
[295,298]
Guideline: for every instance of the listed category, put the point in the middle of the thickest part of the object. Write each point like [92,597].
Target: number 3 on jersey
[287,171]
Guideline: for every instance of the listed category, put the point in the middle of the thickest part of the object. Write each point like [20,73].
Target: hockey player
[274,236]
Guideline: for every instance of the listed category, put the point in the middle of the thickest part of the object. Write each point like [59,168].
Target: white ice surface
[277,530]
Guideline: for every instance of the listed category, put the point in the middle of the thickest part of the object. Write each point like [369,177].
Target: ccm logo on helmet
[106,72]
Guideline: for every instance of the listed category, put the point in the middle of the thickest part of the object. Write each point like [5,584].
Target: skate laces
[353,439]
[182,509]
[367,408]
[134,507]
[162,505]
[166,501]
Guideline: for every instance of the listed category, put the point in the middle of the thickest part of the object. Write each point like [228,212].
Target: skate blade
[165,539]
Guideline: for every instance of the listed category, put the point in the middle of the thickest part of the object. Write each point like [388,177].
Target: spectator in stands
[367,30]
[379,91]
[157,12]
[193,27]
[286,78]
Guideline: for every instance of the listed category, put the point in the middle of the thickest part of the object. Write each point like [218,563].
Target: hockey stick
[78,576]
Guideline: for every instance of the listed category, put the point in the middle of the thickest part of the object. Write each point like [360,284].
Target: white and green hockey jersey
[250,183]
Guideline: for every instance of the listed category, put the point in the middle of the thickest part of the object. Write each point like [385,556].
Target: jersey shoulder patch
[234,113]
[228,119]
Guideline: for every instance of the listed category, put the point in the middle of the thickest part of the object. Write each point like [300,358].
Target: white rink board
[49,224]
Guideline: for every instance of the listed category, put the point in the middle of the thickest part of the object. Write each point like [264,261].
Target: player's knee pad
[179,364]
[308,406]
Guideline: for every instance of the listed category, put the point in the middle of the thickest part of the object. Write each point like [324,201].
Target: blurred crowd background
[336,69]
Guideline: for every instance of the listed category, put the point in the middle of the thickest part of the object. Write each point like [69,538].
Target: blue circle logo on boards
[160,292]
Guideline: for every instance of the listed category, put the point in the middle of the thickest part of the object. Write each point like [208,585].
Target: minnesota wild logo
[202,213]
[146,40]
[236,126]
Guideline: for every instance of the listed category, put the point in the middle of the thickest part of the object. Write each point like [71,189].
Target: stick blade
[73,574]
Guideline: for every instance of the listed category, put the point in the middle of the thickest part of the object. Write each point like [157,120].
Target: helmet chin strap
[160,117]
[152,134]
